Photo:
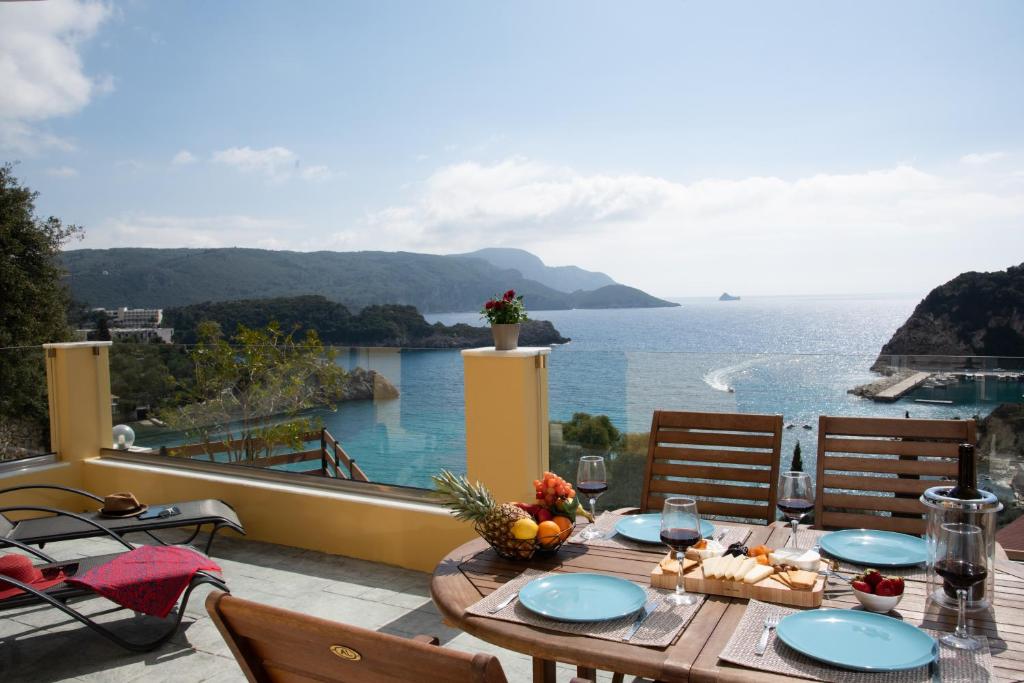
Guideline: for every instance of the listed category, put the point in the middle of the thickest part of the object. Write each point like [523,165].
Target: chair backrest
[274,645]
[871,471]
[728,461]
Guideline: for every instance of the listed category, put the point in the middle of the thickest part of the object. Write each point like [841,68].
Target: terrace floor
[42,645]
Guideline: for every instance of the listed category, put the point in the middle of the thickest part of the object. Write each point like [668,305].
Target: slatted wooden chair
[274,645]
[728,461]
[871,471]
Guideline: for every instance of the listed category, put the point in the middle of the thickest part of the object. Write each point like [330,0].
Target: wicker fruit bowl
[516,531]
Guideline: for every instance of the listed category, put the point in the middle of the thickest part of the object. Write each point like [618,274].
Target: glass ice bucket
[981,512]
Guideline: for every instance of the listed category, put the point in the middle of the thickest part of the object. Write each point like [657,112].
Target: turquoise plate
[875,548]
[582,597]
[647,528]
[852,639]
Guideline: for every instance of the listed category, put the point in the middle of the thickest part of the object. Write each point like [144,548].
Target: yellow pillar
[78,380]
[506,419]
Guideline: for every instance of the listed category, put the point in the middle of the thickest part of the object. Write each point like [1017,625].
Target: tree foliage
[33,305]
[253,392]
[798,460]
[593,431]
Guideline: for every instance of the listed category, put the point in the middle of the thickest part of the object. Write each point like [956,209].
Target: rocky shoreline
[891,378]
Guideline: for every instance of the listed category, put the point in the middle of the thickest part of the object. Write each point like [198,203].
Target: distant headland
[726,296]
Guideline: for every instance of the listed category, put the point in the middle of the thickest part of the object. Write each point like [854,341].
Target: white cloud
[979,159]
[149,230]
[277,164]
[41,71]
[62,172]
[660,234]
[183,157]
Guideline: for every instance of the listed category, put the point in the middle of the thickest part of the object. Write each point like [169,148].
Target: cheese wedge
[744,569]
[711,566]
[734,565]
[759,573]
[712,549]
[807,560]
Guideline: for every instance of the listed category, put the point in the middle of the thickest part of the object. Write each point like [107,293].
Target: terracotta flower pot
[506,337]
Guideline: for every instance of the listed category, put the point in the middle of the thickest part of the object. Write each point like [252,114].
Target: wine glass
[591,481]
[796,499]
[960,561]
[680,528]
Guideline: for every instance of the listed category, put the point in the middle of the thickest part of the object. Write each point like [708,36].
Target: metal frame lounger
[57,596]
[42,530]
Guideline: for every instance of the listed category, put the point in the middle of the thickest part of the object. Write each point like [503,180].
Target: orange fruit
[562,522]
[547,533]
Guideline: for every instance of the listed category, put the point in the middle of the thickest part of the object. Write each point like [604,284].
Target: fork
[769,623]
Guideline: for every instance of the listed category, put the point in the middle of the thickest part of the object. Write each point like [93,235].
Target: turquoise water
[789,355]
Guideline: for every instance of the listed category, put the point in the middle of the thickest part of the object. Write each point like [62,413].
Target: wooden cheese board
[766,590]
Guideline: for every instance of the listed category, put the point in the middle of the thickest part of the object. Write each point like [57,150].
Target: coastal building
[132,317]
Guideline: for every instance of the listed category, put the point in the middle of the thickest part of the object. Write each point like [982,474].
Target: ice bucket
[981,511]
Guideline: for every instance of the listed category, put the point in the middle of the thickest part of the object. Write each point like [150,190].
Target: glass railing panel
[394,417]
[602,402]
[24,406]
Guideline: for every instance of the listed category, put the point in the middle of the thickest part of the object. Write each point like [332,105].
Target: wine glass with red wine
[960,561]
[680,528]
[796,499]
[591,482]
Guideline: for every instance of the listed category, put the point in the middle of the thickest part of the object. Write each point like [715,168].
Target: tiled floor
[43,645]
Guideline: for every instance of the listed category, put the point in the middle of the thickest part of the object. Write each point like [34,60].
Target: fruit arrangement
[515,530]
[876,592]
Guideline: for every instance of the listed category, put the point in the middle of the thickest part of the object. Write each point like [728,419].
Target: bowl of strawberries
[877,593]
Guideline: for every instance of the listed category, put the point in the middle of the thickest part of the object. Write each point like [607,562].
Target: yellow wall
[506,419]
[61,473]
[409,535]
[78,379]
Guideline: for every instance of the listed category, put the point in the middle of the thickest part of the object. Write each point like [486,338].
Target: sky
[683,148]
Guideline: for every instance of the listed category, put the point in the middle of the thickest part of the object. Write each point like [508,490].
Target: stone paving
[43,645]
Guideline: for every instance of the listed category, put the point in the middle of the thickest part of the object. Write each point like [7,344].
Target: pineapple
[474,503]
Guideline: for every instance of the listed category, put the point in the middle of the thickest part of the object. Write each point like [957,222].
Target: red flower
[510,294]
[489,305]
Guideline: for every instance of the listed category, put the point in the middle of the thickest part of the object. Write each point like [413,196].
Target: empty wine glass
[591,481]
[680,528]
[796,499]
[960,561]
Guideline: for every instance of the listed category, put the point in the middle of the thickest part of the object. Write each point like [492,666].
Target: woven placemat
[807,538]
[659,630]
[609,539]
[956,665]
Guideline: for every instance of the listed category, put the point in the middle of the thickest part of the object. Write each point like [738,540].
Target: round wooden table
[473,570]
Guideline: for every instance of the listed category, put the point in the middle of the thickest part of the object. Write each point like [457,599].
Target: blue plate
[582,597]
[852,639]
[647,528]
[875,548]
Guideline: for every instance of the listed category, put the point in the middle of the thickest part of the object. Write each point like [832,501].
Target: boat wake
[720,379]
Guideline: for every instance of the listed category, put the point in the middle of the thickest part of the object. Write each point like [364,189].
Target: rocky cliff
[974,314]
[1001,456]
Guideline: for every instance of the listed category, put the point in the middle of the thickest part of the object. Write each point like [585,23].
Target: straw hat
[20,568]
[122,505]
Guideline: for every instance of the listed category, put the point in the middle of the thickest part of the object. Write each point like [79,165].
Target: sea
[797,356]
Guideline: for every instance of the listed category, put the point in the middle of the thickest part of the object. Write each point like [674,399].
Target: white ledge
[77,345]
[521,352]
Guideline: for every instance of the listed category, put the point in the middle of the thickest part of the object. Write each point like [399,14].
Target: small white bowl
[878,603]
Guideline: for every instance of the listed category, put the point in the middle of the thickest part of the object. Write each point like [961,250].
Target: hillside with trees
[387,325]
[167,278]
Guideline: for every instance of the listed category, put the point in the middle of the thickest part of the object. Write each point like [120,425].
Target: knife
[504,603]
[648,610]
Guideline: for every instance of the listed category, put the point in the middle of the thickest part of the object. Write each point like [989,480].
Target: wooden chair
[871,471]
[728,461]
[274,645]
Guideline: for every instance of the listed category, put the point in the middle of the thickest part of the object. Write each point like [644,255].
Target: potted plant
[505,315]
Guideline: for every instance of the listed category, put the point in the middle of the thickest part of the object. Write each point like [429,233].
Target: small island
[726,296]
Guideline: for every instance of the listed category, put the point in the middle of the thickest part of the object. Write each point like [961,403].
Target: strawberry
[890,585]
[862,586]
[873,577]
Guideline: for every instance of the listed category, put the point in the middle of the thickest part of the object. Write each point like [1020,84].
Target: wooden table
[473,570]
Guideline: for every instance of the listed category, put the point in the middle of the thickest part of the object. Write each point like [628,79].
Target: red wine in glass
[679,539]
[795,508]
[960,573]
[592,489]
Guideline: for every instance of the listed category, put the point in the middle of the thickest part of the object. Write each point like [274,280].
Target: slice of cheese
[711,565]
[744,569]
[733,567]
[758,573]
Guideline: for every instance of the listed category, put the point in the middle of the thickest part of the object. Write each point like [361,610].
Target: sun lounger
[56,527]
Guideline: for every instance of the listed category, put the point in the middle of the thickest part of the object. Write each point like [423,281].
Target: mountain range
[166,278]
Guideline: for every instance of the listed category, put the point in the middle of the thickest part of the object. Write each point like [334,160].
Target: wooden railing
[331,458]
